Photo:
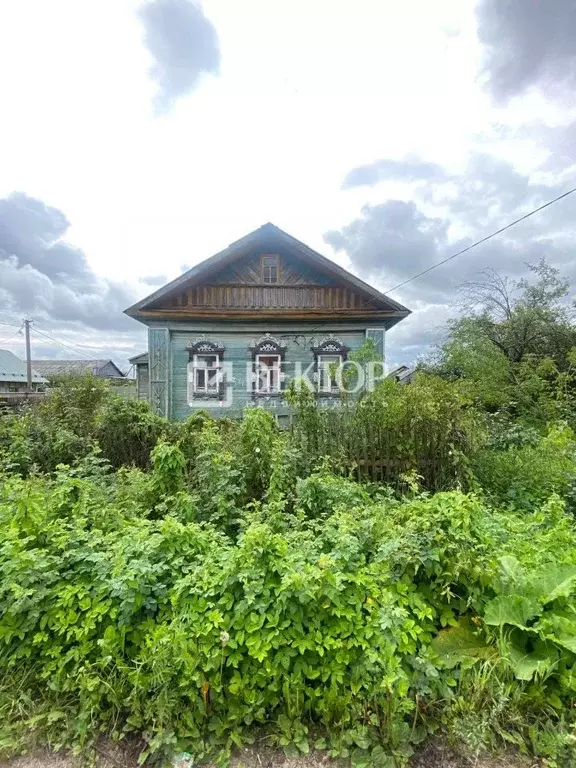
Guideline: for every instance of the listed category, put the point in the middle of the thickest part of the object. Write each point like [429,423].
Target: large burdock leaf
[455,644]
[560,628]
[552,582]
[511,577]
[511,609]
[526,665]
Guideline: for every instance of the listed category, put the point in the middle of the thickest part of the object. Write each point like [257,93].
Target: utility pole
[28,355]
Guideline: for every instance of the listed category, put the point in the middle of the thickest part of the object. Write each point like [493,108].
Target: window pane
[269,269]
[327,365]
[200,378]
[206,361]
[268,372]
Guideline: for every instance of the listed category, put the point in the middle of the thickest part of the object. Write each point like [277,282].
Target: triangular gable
[232,267]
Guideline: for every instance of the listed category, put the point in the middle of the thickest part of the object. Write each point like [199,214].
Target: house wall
[142,381]
[108,371]
[15,386]
[169,358]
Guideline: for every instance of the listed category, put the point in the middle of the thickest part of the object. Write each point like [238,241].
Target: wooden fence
[373,451]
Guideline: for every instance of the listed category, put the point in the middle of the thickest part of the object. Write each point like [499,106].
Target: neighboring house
[234,329]
[402,374]
[13,375]
[140,363]
[104,369]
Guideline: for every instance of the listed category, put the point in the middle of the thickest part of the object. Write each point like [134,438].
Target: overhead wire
[56,341]
[4,339]
[80,347]
[483,240]
[465,250]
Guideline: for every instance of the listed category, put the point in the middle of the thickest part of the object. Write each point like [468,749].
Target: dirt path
[434,755]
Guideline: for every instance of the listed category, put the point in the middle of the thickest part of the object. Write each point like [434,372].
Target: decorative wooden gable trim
[247,297]
[206,288]
[248,271]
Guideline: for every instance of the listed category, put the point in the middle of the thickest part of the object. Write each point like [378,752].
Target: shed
[13,374]
[140,363]
[105,369]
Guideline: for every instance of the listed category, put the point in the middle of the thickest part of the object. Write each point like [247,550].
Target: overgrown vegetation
[208,583]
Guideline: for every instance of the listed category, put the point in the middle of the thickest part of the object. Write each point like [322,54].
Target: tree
[523,318]
[513,342]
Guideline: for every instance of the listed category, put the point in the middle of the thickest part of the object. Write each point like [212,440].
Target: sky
[139,137]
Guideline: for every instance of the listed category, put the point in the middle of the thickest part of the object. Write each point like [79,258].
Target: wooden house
[233,330]
[102,369]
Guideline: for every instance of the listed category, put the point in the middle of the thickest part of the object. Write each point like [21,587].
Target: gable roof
[237,249]
[140,359]
[75,367]
[14,369]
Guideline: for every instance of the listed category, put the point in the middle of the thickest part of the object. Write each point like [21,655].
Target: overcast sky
[138,138]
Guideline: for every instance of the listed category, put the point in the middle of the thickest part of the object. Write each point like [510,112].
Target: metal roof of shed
[14,369]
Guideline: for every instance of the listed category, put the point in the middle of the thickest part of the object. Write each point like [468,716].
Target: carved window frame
[197,350]
[330,346]
[267,346]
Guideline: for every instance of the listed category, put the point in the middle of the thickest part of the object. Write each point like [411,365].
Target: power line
[483,240]
[11,336]
[464,250]
[80,347]
[61,343]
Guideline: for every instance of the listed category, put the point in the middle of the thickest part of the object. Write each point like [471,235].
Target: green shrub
[74,402]
[358,626]
[526,474]
[127,431]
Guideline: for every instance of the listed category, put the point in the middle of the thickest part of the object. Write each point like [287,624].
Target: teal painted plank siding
[174,398]
[142,382]
[159,369]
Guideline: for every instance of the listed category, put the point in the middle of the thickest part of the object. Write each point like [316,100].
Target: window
[327,365]
[377,337]
[270,269]
[329,355]
[267,356]
[205,371]
[206,374]
[268,373]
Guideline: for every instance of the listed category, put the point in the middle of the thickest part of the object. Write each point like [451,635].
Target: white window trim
[324,371]
[278,368]
[196,367]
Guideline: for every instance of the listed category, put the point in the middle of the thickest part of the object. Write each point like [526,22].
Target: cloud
[392,241]
[154,279]
[409,169]
[44,276]
[528,43]
[184,46]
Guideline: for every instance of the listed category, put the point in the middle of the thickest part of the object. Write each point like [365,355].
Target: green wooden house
[233,330]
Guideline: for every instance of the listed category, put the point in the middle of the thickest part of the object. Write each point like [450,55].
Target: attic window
[270,268]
